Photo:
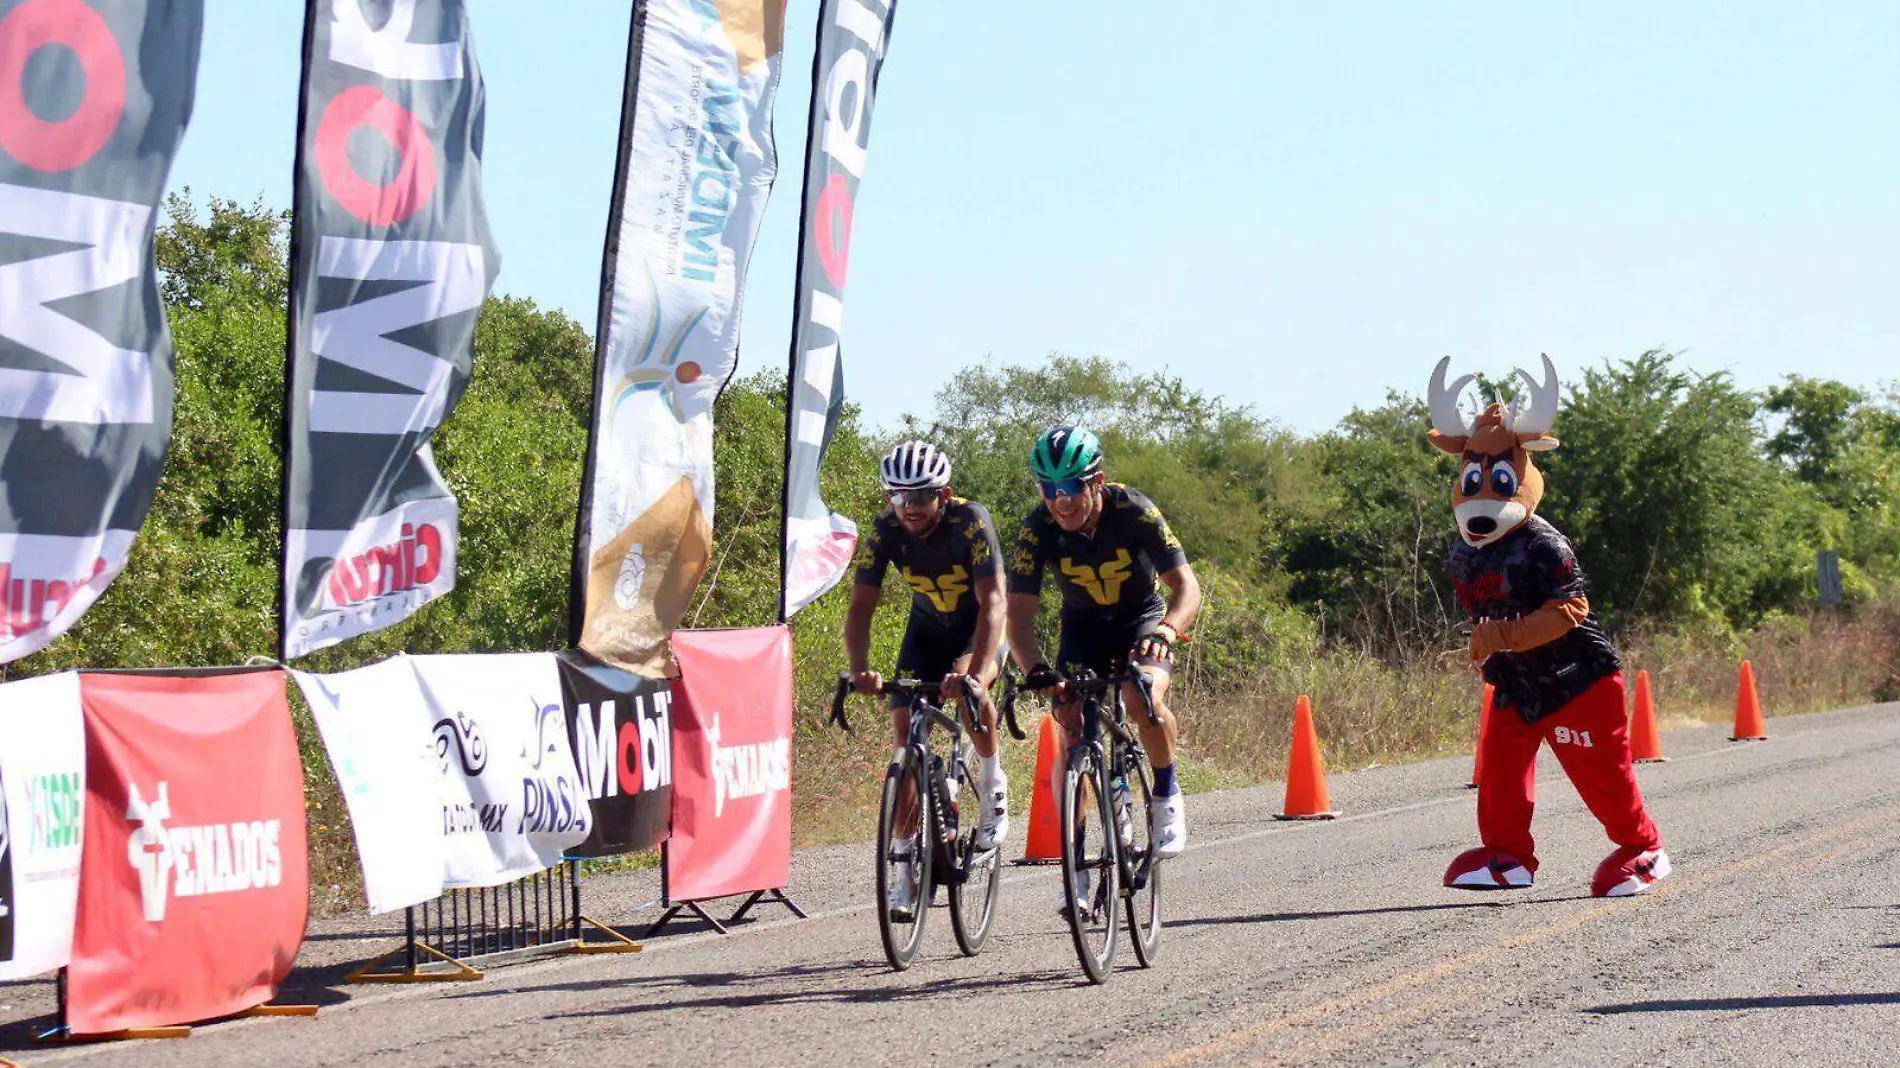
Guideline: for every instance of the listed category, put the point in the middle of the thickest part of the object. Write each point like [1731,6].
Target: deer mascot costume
[1557,676]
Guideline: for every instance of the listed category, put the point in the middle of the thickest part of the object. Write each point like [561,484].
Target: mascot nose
[1481,525]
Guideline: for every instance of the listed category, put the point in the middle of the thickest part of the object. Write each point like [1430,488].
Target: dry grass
[1368,711]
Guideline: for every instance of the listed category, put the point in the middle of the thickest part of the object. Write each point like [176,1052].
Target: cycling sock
[991,768]
[1165,786]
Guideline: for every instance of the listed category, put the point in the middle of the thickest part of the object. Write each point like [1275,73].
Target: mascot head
[1498,485]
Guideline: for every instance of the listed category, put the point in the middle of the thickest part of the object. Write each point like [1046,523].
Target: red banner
[194,879]
[732,770]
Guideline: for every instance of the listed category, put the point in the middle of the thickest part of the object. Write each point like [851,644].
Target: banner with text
[375,728]
[622,728]
[94,99]
[512,800]
[732,796]
[195,886]
[852,37]
[390,260]
[696,165]
[43,790]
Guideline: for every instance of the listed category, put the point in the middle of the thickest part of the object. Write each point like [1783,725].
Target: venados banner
[732,798]
[43,788]
[195,885]
[695,167]
[390,260]
[93,103]
[622,728]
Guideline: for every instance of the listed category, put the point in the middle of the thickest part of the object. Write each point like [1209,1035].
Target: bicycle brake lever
[1147,689]
[837,702]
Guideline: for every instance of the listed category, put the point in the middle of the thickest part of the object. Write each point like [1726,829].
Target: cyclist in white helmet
[946,549]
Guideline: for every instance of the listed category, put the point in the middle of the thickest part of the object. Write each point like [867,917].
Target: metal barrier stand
[465,930]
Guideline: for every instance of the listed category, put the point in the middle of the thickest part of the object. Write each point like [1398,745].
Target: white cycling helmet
[914,465]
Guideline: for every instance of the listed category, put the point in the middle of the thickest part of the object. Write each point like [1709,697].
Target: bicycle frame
[1117,747]
[925,714]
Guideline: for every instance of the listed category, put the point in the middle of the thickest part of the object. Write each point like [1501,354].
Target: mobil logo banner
[622,731]
[43,794]
[194,886]
[732,745]
[512,799]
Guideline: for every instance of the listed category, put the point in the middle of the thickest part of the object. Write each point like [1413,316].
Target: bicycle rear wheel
[973,896]
[903,857]
[1144,891]
[1090,872]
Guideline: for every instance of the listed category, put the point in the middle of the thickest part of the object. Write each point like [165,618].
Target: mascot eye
[1472,481]
[1504,480]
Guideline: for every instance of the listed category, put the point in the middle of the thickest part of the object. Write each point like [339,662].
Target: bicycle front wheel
[1144,890]
[973,892]
[1090,869]
[903,861]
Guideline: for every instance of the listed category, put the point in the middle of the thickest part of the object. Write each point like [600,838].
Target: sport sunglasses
[1068,487]
[916,498]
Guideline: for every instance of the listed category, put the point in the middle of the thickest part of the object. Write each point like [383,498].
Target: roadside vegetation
[1696,507]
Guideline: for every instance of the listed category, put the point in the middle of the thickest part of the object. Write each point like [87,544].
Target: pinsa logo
[747,770]
[216,858]
[411,561]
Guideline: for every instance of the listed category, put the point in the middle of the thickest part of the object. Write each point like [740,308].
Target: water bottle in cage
[1124,808]
[947,776]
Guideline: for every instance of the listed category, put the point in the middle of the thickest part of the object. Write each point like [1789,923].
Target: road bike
[937,796]
[1103,806]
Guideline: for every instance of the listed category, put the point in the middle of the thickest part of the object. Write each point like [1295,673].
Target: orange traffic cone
[1306,772]
[1045,820]
[1645,746]
[1748,724]
[1484,724]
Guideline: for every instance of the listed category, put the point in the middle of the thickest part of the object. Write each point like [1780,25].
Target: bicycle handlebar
[972,697]
[1086,685]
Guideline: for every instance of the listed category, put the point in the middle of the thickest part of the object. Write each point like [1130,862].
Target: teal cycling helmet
[1064,452]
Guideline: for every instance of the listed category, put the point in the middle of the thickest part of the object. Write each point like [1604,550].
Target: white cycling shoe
[1167,825]
[1081,893]
[993,829]
[900,900]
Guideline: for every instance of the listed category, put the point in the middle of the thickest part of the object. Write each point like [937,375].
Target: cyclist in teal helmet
[1111,551]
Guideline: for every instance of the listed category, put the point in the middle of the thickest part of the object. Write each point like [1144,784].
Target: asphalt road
[1776,941]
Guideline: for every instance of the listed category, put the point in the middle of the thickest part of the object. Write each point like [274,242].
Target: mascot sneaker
[1630,871]
[1488,869]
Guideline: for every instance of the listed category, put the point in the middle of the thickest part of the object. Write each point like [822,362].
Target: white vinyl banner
[696,165]
[512,800]
[375,727]
[43,772]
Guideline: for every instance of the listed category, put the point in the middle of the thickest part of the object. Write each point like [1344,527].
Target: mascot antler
[1446,418]
[1539,413]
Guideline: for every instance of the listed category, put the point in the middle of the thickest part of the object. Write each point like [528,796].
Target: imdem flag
[390,261]
[852,36]
[93,104]
[695,167]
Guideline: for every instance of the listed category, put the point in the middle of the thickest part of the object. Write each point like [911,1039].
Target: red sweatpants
[1590,737]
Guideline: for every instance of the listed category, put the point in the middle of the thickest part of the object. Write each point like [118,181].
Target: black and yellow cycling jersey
[942,568]
[1108,577]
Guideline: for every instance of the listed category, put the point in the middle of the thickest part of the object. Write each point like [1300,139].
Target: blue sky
[1294,205]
